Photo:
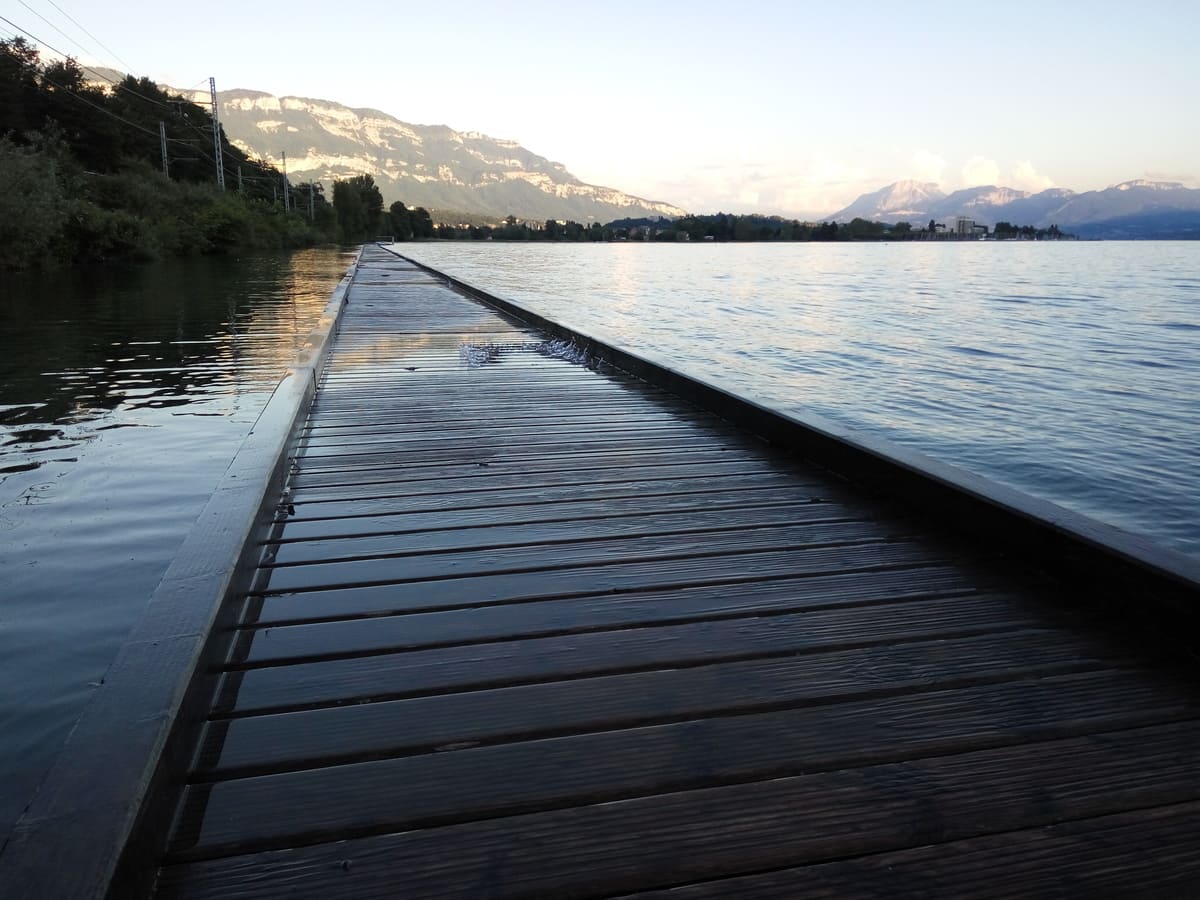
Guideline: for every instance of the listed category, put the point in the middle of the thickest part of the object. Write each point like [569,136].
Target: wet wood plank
[534,475]
[809,523]
[528,507]
[971,816]
[1148,852]
[292,808]
[728,632]
[331,735]
[566,654]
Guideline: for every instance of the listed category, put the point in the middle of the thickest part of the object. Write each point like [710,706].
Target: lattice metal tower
[212,87]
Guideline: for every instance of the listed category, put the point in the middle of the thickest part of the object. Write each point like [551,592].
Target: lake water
[1068,370]
[123,397]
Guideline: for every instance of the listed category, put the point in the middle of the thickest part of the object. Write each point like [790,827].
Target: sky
[793,108]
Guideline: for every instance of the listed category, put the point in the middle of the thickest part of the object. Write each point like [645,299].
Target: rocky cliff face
[422,165]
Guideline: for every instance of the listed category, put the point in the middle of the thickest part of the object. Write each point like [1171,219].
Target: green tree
[401,221]
[372,203]
[422,223]
[351,213]
[33,205]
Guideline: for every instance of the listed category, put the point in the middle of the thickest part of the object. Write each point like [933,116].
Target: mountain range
[1131,209]
[422,165]
[464,171]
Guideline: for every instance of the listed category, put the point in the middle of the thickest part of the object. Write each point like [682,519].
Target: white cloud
[1025,177]
[979,170]
[927,166]
[802,188]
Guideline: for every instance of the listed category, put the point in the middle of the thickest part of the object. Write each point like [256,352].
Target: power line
[107,112]
[127,66]
[70,93]
[36,39]
[52,25]
[39,41]
[226,166]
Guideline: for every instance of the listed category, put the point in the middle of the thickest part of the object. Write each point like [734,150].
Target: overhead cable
[92,36]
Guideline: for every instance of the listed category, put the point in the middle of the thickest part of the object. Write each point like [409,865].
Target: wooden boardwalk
[530,629]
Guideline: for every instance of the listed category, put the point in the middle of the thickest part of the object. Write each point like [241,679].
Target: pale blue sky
[794,108]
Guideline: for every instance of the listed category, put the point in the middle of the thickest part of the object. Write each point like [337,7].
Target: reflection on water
[123,397]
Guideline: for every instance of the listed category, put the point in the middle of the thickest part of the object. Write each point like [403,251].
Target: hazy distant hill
[1132,198]
[423,165]
[1131,209]
[902,200]
[1171,224]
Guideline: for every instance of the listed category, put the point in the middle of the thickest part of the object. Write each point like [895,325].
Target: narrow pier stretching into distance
[527,627]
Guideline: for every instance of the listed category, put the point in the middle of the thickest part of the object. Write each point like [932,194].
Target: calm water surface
[123,397]
[1068,370]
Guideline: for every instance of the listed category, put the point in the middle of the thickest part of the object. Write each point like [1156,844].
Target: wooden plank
[728,633]
[456,617]
[373,515]
[333,735]
[422,407]
[1144,853]
[535,475]
[466,385]
[294,808]
[948,804]
[832,545]
[616,578]
[591,390]
[408,438]
[467,390]
[444,533]
[594,414]
[520,443]
[523,660]
[561,456]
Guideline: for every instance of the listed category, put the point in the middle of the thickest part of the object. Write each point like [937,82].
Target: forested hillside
[84,180]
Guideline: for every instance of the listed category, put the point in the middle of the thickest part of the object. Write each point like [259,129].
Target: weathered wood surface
[526,629]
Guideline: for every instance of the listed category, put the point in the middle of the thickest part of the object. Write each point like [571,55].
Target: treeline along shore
[720,227]
[124,171]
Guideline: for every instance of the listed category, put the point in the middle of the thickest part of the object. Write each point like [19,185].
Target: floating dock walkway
[521,626]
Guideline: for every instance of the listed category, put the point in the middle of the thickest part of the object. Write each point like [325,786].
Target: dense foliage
[84,181]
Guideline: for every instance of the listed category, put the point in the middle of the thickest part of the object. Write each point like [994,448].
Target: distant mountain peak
[1147,184]
[1168,206]
[897,200]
